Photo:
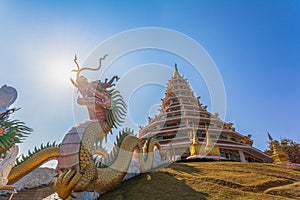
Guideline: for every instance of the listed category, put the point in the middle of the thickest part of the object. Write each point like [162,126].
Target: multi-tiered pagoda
[183,119]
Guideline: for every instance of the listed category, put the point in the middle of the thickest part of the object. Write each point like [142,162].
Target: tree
[288,146]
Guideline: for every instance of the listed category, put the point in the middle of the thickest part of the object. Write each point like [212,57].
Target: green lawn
[213,180]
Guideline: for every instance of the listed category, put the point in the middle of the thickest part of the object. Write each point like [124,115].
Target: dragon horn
[86,68]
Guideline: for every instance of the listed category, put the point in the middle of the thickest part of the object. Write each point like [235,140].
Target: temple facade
[184,121]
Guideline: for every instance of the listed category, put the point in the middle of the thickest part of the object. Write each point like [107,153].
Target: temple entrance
[230,154]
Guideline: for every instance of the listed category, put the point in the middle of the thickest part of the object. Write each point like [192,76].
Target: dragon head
[102,101]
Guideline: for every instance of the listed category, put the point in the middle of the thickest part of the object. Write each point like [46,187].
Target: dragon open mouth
[93,97]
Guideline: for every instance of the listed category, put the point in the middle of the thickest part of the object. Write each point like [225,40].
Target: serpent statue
[12,132]
[83,163]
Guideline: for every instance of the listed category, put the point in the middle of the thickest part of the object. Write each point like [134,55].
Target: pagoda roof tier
[191,106]
[184,140]
[175,116]
[181,110]
[179,118]
[186,128]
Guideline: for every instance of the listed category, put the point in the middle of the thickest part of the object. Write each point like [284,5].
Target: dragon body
[83,162]
[83,165]
[34,160]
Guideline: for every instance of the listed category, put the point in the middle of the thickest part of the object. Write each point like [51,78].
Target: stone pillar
[242,156]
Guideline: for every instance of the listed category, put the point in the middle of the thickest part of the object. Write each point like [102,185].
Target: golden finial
[278,155]
[270,137]
[195,138]
[176,73]
[195,146]
[208,139]
[210,148]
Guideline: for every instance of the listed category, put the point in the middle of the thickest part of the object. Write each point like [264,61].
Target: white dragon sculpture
[9,133]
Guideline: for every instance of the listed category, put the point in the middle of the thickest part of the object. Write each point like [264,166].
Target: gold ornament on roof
[278,155]
[195,146]
[210,148]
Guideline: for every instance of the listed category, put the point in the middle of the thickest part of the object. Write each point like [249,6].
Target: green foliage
[292,149]
[13,132]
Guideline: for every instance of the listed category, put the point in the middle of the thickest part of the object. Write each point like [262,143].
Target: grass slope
[213,180]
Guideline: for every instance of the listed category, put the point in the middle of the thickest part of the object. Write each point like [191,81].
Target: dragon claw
[66,181]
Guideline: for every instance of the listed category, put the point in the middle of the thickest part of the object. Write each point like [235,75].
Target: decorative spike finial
[269,135]
[208,139]
[195,138]
[176,73]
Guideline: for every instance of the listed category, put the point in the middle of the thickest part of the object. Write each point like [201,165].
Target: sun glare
[58,75]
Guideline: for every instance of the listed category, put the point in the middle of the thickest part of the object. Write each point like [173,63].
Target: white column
[242,156]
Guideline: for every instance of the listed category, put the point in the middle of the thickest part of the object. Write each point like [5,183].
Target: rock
[53,196]
[77,196]
[36,178]
[85,195]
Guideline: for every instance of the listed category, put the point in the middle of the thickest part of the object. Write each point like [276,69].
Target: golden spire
[275,144]
[209,143]
[176,73]
[210,148]
[195,138]
[195,146]
[270,137]
[278,155]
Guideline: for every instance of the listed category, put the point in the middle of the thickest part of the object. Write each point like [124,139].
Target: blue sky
[255,45]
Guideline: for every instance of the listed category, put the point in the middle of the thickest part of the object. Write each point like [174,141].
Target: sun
[58,73]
